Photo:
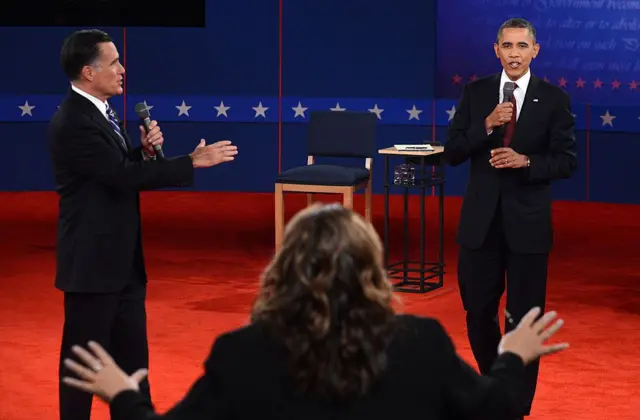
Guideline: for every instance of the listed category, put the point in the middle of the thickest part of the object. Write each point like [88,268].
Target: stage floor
[205,252]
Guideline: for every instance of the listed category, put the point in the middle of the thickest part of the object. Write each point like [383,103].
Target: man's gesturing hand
[205,155]
[528,339]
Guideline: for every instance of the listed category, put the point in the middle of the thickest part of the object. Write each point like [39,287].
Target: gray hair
[517,23]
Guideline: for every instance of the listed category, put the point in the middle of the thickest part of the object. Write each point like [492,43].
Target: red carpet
[205,252]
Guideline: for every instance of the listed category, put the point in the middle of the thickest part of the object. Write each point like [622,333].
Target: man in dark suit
[515,150]
[98,175]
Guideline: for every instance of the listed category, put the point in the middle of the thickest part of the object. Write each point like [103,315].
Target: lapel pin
[535,100]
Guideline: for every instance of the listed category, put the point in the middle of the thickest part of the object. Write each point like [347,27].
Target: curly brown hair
[327,298]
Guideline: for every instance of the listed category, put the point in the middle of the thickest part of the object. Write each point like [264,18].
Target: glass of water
[404,175]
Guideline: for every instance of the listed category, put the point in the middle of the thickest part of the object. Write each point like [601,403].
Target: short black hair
[80,49]
[517,23]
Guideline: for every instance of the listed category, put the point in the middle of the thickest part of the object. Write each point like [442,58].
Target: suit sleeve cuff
[127,404]
[509,361]
[529,171]
[478,131]
[185,167]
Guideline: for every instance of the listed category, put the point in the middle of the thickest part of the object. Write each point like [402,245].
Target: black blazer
[245,379]
[544,132]
[97,181]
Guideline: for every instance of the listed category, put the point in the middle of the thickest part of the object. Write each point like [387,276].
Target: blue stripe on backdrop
[188,108]
[230,108]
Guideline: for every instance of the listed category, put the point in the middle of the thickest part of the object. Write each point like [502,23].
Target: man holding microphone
[517,131]
[98,176]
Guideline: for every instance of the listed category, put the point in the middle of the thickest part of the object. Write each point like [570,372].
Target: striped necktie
[113,120]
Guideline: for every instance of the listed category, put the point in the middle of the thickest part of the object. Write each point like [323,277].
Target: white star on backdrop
[299,110]
[222,110]
[607,119]
[451,112]
[26,109]
[337,108]
[260,110]
[147,106]
[414,113]
[377,111]
[183,109]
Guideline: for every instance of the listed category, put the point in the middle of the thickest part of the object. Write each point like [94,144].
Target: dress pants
[481,278]
[118,322]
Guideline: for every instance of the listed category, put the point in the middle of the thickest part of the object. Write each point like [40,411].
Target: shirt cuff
[146,156]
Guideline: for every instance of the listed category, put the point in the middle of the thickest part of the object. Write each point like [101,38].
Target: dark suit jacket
[544,132]
[245,378]
[97,181]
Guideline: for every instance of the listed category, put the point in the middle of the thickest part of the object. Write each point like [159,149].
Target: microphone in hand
[145,117]
[503,112]
[507,91]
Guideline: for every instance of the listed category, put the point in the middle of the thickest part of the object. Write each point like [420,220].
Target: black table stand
[414,279]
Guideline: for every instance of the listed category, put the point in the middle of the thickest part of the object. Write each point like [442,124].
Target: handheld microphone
[143,113]
[507,91]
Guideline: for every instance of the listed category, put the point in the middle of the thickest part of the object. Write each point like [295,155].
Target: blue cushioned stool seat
[323,175]
[344,135]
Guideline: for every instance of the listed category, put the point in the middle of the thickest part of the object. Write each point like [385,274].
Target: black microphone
[143,113]
[507,95]
[507,91]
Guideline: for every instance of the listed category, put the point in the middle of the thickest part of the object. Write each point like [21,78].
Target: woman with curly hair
[324,342]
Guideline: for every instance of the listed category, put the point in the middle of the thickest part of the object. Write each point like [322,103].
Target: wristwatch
[528,161]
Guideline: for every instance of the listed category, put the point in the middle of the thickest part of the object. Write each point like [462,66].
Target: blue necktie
[113,120]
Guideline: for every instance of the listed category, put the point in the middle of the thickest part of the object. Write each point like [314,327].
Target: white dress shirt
[102,106]
[520,91]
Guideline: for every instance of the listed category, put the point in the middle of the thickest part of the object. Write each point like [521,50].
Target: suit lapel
[495,90]
[525,113]
[90,109]
[493,99]
[104,124]
[127,140]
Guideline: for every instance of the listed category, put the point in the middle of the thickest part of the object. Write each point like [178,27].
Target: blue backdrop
[258,69]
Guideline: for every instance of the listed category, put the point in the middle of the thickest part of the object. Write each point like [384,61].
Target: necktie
[113,120]
[511,125]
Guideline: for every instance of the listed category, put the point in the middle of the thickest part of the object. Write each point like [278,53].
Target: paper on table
[420,147]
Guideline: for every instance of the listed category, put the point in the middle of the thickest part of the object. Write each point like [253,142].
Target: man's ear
[87,73]
[536,50]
